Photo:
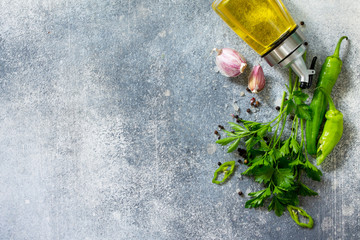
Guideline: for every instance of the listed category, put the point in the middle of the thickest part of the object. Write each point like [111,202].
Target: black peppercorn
[248,110]
[302,23]
[239,161]
[219,163]
[240,193]
[216,132]
[291,117]
[240,150]
[306,43]
[277,108]
[236,116]
[219,137]
[221,127]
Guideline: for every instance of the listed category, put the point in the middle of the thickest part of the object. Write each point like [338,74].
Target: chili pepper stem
[337,49]
[329,99]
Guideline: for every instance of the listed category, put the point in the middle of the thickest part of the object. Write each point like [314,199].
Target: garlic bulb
[230,62]
[256,79]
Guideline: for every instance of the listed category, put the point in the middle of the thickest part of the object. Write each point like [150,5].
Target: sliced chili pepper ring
[223,168]
[294,211]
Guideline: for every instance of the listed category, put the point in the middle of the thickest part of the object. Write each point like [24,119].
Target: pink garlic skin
[256,79]
[230,62]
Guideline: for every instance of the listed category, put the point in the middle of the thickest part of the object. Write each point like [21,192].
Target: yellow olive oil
[260,23]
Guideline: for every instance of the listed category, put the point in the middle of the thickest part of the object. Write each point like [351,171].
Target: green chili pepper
[333,130]
[329,73]
[294,215]
[224,169]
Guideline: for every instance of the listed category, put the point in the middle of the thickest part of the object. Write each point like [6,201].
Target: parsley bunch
[277,163]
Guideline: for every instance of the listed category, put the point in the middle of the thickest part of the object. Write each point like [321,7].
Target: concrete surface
[107,115]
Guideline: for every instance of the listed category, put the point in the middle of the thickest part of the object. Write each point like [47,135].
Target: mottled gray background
[107,115]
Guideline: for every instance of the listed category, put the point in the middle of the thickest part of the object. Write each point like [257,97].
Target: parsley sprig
[277,163]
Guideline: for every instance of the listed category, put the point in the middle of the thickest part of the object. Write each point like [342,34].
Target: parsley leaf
[263,131]
[284,178]
[276,206]
[300,97]
[294,145]
[250,125]
[263,174]
[257,164]
[251,142]
[303,111]
[297,162]
[238,128]
[263,146]
[274,154]
[306,191]
[289,197]
[226,141]
[249,170]
[230,134]
[311,171]
[258,198]
[285,150]
[290,106]
[234,146]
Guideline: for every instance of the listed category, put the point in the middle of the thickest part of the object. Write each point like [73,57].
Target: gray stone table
[107,115]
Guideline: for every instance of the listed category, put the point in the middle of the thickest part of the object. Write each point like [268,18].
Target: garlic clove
[230,62]
[256,79]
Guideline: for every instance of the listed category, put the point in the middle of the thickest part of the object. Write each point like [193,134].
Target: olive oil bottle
[260,23]
[268,28]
